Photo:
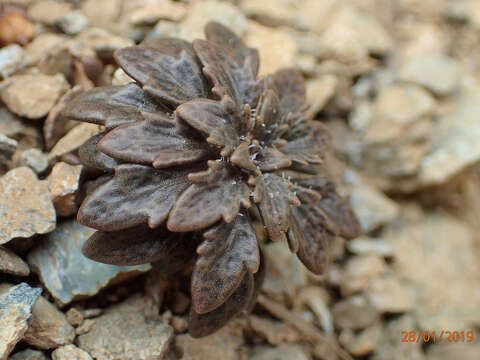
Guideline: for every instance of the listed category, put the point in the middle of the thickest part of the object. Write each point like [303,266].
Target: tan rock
[163,9]
[42,45]
[354,313]
[63,183]
[282,352]
[12,264]
[319,91]
[442,249]
[388,294]
[358,271]
[70,352]
[224,344]
[33,96]
[277,47]
[74,317]
[74,139]
[123,332]
[48,11]
[275,332]
[102,40]
[25,205]
[271,12]
[363,343]
[202,12]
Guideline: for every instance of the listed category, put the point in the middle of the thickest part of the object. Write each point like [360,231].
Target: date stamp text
[446,336]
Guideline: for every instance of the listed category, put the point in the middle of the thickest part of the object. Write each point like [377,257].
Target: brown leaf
[205,324]
[217,120]
[141,245]
[228,40]
[271,159]
[228,252]
[228,77]
[137,194]
[153,141]
[309,144]
[215,194]
[91,156]
[275,205]
[172,80]
[309,238]
[340,212]
[290,86]
[110,105]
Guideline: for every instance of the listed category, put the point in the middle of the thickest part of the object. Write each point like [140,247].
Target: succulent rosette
[194,152]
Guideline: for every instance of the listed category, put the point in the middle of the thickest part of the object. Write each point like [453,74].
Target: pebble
[319,91]
[70,352]
[12,264]
[15,313]
[450,270]
[28,354]
[63,183]
[354,313]
[225,344]
[454,138]
[123,332]
[159,10]
[33,96]
[11,59]
[42,45]
[25,205]
[358,271]
[34,159]
[277,47]
[102,40]
[372,208]
[271,12]
[73,22]
[436,72]
[74,139]
[282,352]
[200,13]
[316,299]
[74,317]
[363,343]
[280,284]
[71,275]
[365,245]
[395,108]
[275,332]
[10,124]
[388,294]
[48,11]
[49,327]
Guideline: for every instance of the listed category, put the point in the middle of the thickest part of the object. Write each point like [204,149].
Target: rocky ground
[397,82]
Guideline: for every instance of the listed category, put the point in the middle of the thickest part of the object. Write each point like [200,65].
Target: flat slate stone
[66,273]
[15,313]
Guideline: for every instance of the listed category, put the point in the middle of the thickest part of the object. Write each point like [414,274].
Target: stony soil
[397,82]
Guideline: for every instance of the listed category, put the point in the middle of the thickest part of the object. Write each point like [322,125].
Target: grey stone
[49,327]
[354,313]
[123,332]
[12,264]
[15,313]
[25,205]
[28,354]
[66,273]
[34,159]
[11,59]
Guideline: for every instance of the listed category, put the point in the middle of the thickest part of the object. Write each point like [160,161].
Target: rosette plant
[194,152]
